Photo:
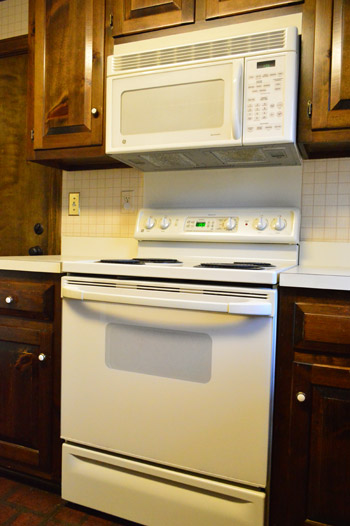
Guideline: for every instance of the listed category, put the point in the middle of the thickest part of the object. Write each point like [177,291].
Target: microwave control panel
[270,98]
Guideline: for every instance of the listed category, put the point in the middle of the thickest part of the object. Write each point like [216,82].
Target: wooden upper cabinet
[331,88]
[68,72]
[219,8]
[324,101]
[136,16]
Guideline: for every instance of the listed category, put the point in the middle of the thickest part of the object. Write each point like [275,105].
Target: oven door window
[182,355]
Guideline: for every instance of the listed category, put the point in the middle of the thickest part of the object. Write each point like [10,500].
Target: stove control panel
[241,225]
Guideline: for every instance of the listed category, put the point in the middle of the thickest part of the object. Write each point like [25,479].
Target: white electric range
[240,245]
[168,368]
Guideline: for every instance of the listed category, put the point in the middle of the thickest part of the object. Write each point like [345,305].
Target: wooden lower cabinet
[320,445]
[310,483]
[30,374]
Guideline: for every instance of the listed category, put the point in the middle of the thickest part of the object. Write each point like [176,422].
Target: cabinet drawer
[28,299]
[322,327]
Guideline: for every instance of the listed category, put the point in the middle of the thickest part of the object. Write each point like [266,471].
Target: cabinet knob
[94,112]
[9,299]
[38,229]
[35,251]
[42,357]
[301,397]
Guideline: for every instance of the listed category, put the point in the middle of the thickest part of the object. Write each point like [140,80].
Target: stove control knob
[165,223]
[279,224]
[261,223]
[150,223]
[230,223]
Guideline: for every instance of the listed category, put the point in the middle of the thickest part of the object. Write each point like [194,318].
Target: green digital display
[266,64]
[200,223]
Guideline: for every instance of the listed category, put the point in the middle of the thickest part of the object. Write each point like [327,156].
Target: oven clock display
[212,224]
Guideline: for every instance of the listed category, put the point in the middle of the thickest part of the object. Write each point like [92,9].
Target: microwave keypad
[265,98]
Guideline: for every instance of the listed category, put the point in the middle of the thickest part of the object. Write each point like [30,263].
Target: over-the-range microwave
[215,102]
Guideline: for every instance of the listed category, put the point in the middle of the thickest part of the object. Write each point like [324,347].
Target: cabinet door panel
[331,91]
[29,193]
[68,83]
[26,394]
[322,327]
[218,8]
[340,72]
[135,16]
[320,476]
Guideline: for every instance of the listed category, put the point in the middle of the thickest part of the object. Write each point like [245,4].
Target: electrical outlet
[127,200]
[74,204]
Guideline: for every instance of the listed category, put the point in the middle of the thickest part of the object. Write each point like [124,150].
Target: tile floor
[25,505]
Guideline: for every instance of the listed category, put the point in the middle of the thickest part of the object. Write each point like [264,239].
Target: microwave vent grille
[223,48]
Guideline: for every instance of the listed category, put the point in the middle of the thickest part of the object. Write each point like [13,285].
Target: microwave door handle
[237,100]
[244,308]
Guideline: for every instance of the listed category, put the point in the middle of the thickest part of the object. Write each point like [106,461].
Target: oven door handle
[244,308]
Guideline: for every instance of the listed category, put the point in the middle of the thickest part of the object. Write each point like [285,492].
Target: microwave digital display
[266,64]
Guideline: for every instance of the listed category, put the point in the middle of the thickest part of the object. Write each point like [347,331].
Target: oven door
[178,375]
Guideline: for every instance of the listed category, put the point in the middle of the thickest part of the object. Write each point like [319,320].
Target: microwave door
[186,107]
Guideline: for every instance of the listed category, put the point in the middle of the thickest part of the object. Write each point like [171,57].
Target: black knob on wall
[38,228]
[35,251]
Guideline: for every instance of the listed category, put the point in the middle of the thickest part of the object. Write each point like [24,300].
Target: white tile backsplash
[101,213]
[325,200]
[13,18]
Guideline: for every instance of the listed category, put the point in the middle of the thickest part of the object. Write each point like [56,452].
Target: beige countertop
[73,249]
[322,265]
[32,263]
[333,278]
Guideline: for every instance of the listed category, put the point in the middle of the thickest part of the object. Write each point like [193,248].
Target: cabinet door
[26,399]
[135,16]
[68,73]
[218,8]
[331,86]
[320,446]
[30,193]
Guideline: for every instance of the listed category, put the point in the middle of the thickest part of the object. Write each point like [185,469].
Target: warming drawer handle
[246,308]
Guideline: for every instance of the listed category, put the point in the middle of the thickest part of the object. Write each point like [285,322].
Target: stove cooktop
[245,265]
[228,270]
